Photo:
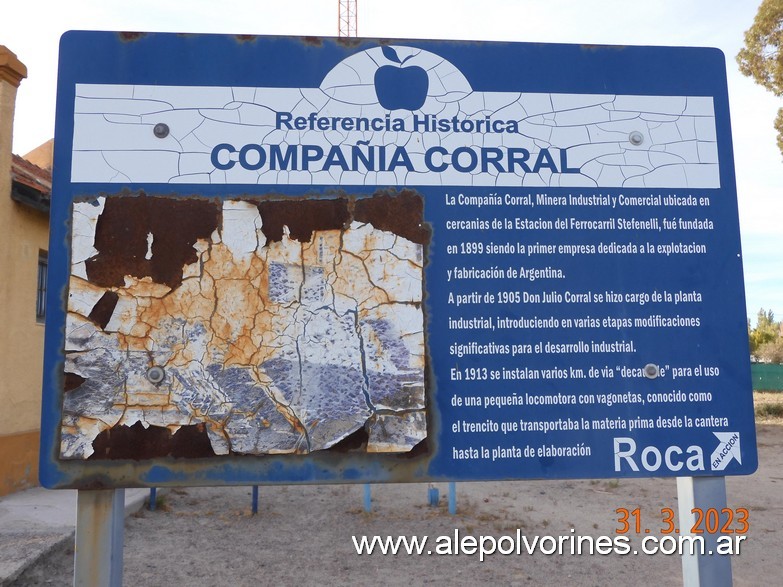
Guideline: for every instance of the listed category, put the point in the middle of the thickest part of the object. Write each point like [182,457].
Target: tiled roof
[32,176]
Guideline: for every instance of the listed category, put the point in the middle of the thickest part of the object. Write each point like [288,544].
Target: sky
[33,29]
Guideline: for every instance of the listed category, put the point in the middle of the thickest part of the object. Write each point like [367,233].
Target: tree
[766,331]
[771,352]
[761,58]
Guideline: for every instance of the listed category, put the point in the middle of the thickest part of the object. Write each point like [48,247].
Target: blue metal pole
[254,507]
[452,497]
[367,498]
[100,517]
[118,536]
[710,569]
[153,503]
[433,495]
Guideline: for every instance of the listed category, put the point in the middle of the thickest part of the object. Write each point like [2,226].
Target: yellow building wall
[24,232]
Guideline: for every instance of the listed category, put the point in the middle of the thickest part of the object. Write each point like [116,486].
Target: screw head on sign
[636,138]
[651,371]
[155,375]
[161,130]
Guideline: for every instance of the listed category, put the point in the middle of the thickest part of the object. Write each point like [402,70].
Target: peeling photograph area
[202,327]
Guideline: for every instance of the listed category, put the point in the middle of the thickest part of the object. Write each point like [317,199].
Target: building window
[40,302]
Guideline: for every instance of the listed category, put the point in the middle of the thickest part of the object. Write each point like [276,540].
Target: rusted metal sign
[308,260]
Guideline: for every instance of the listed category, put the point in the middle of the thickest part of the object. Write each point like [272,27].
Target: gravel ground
[302,534]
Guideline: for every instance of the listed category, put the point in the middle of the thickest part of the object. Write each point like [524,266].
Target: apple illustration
[398,87]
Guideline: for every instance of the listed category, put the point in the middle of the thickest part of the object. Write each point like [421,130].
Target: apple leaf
[390,54]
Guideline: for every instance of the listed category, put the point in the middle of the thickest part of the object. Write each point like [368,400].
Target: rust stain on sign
[102,311]
[127,36]
[137,442]
[122,238]
[313,41]
[72,381]
[273,325]
[302,217]
[400,213]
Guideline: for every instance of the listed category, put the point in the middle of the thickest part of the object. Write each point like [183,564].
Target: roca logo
[675,458]
[399,87]
[651,458]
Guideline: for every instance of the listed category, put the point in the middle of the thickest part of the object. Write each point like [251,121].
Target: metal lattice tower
[346,19]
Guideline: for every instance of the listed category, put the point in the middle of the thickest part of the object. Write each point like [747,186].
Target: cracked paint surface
[282,326]
[114,143]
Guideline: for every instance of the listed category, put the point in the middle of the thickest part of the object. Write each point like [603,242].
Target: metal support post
[703,493]
[100,519]
[452,497]
[367,498]
[254,504]
[433,495]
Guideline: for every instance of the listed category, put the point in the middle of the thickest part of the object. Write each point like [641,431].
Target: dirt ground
[302,534]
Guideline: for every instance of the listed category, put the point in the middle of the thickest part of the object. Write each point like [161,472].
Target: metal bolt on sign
[161,130]
[156,374]
[636,138]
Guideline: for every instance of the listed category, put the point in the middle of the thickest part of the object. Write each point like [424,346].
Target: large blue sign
[281,260]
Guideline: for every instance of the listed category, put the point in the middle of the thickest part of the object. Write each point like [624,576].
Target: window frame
[40,297]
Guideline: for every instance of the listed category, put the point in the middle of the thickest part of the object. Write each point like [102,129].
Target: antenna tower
[346,19]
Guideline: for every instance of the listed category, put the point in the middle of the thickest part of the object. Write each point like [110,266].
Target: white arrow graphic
[728,448]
